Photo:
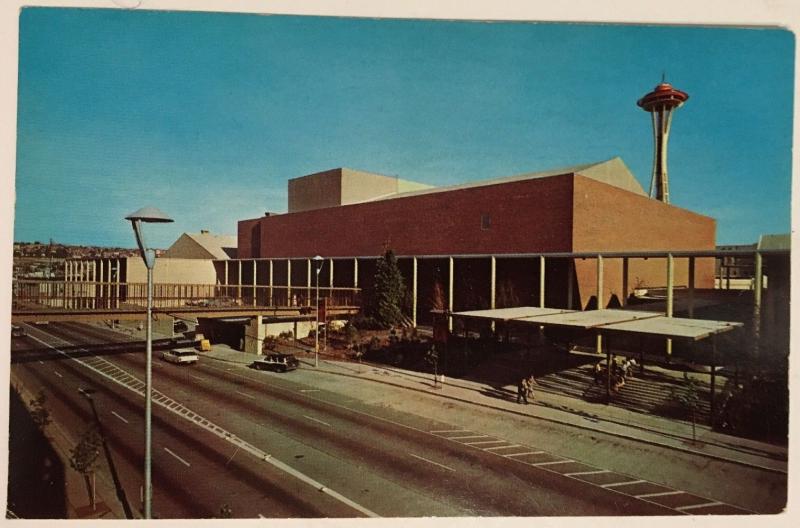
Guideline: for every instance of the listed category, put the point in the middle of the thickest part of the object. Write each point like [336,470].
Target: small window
[486,221]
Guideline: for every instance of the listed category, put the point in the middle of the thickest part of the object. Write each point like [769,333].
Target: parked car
[277,362]
[17,331]
[180,356]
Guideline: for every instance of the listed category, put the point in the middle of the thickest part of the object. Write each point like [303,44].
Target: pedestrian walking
[531,382]
[598,372]
[522,390]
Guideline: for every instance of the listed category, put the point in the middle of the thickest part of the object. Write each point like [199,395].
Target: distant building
[202,245]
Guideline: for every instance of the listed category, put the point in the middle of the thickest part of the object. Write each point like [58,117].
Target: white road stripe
[176,456]
[57,373]
[120,417]
[449,431]
[704,505]
[525,453]
[598,472]
[501,447]
[310,390]
[626,482]
[196,377]
[659,494]
[485,442]
[466,437]
[432,462]
[315,420]
[552,463]
[245,394]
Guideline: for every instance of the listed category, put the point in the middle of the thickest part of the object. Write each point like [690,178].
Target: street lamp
[147,214]
[318,262]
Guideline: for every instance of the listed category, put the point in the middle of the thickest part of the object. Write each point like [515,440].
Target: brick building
[346,216]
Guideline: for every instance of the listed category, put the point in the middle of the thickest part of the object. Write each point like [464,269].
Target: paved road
[386,461]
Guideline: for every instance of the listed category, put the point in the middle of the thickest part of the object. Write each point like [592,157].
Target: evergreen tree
[388,292]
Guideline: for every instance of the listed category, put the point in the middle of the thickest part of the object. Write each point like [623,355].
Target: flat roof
[677,327]
[635,322]
[590,318]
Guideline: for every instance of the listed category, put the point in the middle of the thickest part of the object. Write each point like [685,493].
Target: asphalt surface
[389,460]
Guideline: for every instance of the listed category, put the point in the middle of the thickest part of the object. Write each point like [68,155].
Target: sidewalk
[654,430]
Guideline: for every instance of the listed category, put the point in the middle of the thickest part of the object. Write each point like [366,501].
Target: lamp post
[318,263]
[147,214]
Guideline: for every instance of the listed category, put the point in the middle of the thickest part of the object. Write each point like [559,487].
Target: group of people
[620,371]
[525,389]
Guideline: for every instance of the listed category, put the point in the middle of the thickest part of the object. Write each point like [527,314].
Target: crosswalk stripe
[624,483]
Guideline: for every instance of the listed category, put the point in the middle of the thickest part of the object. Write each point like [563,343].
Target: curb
[551,420]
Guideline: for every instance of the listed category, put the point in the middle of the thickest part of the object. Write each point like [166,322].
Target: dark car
[277,362]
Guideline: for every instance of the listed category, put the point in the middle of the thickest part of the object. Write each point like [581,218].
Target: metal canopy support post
[226,278]
[492,288]
[255,278]
[450,282]
[330,273]
[757,293]
[541,281]
[670,295]
[625,285]
[288,282]
[600,302]
[270,298]
[691,287]
[355,273]
[414,292]
[239,283]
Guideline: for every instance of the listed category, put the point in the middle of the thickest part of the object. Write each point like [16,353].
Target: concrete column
[757,294]
[355,273]
[255,288]
[254,334]
[330,272]
[450,282]
[414,292]
[270,298]
[691,287]
[492,283]
[308,282]
[570,272]
[239,282]
[600,300]
[288,282]
[541,281]
[118,281]
[625,285]
[670,294]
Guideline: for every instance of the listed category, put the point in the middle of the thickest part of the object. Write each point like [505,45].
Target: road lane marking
[218,431]
[485,442]
[467,437]
[659,494]
[449,431]
[245,394]
[120,417]
[525,453]
[598,472]
[432,462]
[57,373]
[196,377]
[501,447]
[315,420]
[704,505]
[310,390]
[553,462]
[176,456]
[624,483]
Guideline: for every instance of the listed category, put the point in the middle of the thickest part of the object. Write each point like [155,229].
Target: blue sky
[207,115]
